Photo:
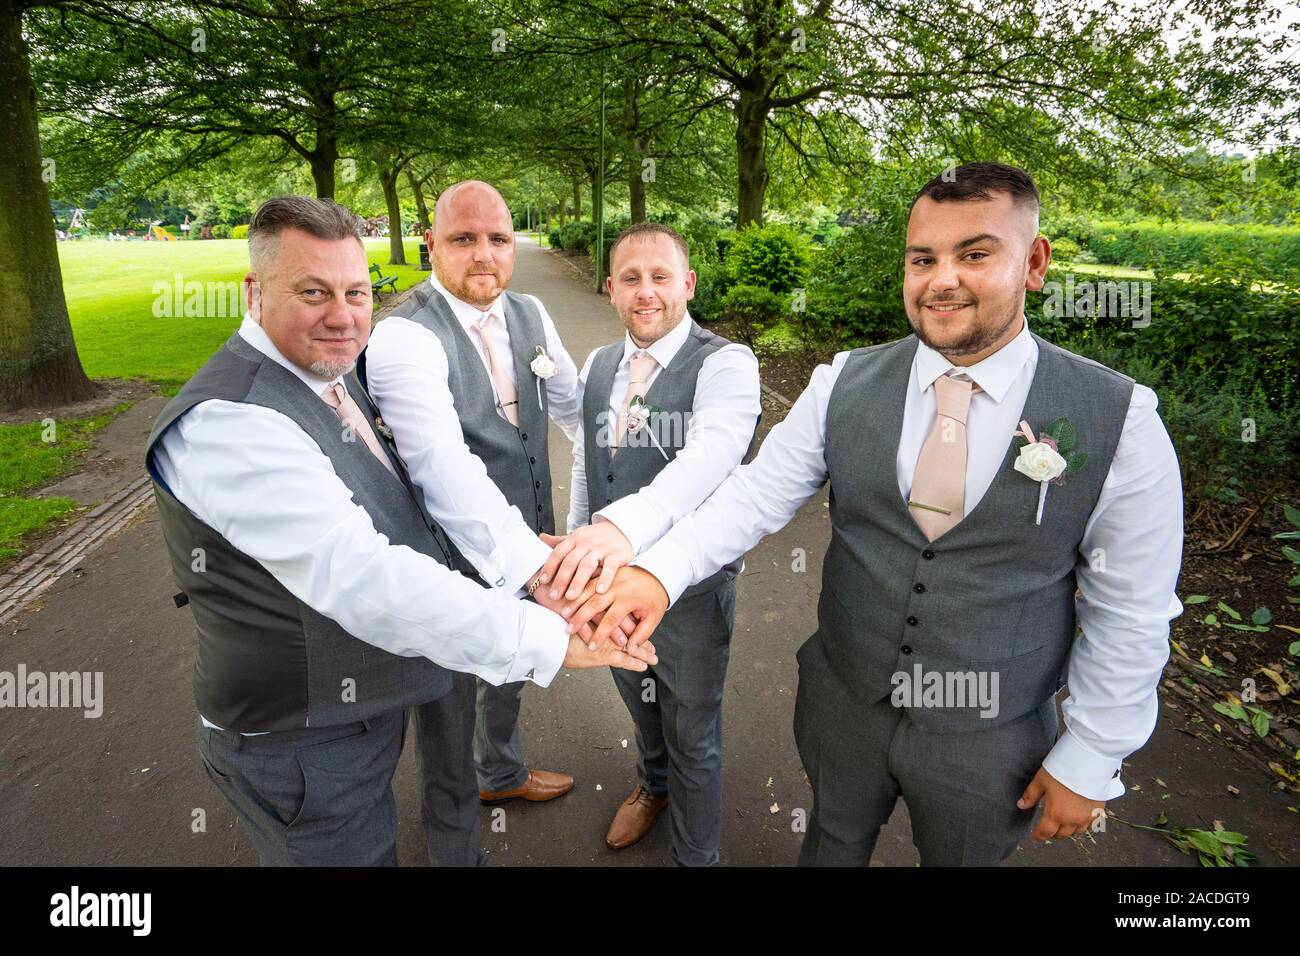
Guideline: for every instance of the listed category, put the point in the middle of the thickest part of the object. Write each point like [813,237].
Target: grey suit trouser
[319,796]
[676,707]
[960,787]
[498,751]
[444,756]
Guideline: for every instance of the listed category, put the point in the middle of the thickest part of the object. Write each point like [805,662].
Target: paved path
[127,788]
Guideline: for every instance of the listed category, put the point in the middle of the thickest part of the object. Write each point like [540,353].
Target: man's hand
[609,655]
[1065,813]
[575,557]
[542,595]
[635,592]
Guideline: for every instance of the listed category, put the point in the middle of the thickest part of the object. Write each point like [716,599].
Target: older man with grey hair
[319,582]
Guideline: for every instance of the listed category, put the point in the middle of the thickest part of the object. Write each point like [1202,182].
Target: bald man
[465,362]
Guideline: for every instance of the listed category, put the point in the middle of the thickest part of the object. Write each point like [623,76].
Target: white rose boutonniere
[542,367]
[1048,458]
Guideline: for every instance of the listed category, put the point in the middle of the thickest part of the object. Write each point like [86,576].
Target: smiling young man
[945,561]
[667,412]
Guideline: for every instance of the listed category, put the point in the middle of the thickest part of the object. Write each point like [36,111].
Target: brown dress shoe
[541,785]
[634,818]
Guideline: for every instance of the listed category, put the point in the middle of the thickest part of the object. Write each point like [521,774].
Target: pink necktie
[507,397]
[639,368]
[349,412]
[938,497]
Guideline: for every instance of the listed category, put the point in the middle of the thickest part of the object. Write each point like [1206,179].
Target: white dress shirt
[725,410]
[406,373]
[255,477]
[1123,610]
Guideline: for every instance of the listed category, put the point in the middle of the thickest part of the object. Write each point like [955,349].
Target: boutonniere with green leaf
[638,416]
[1048,458]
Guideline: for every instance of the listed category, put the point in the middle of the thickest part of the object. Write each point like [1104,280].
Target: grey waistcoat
[266,661]
[994,594]
[672,396]
[516,458]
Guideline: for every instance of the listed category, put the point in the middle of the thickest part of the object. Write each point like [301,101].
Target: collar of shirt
[994,375]
[466,313]
[664,349]
[256,336]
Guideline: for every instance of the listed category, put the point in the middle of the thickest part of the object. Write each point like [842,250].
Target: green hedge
[1273,251]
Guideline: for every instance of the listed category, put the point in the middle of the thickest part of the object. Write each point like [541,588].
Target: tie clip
[917,504]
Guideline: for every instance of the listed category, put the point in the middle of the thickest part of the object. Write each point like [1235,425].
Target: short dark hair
[974,181]
[648,230]
[322,218]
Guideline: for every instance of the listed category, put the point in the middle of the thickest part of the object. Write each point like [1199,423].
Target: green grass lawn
[33,455]
[112,289]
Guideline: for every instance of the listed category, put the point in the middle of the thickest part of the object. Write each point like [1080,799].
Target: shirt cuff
[630,517]
[541,648]
[516,559]
[671,566]
[1087,773]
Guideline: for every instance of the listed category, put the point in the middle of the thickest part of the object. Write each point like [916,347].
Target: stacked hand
[576,556]
[636,599]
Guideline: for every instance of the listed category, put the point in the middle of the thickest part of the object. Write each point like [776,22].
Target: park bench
[380,280]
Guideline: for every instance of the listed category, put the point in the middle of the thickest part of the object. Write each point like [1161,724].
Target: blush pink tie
[350,414]
[507,397]
[938,497]
[639,368]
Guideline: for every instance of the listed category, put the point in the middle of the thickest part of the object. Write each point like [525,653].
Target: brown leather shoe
[634,818]
[541,785]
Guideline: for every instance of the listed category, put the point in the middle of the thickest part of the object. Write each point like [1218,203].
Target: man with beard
[465,362]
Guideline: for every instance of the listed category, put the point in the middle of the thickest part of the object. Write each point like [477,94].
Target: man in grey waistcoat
[467,363]
[319,582]
[668,411]
[979,477]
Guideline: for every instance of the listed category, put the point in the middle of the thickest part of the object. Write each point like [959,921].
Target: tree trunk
[421,207]
[388,183]
[636,185]
[38,357]
[751,132]
[323,158]
[577,198]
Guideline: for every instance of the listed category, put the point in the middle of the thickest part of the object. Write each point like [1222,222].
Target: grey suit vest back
[266,661]
[516,459]
[994,594]
[672,396]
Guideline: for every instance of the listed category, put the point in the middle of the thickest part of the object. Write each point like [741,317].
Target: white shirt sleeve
[252,475]
[756,499]
[406,372]
[564,399]
[578,514]
[1127,572]
[725,409]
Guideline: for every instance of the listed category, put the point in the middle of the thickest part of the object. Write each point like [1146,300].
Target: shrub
[576,236]
[221,231]
[1065,250]
[711,285]
[239,232]
[553,238]
[1176,247]
[775,257]
[855,289]
[753,308]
